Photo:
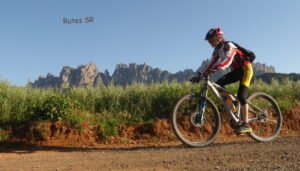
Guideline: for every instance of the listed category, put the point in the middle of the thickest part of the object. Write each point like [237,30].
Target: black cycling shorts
[244,75]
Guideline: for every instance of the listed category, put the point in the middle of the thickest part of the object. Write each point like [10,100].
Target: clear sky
[168,34]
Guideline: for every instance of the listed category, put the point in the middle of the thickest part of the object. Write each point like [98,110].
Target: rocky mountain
[260,69]
[89,75]
[83,75]
[268,77]
[134,73]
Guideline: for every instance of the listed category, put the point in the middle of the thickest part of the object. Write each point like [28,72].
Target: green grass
[111,106]
[3,136]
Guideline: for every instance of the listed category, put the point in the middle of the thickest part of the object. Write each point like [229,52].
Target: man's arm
[212,63]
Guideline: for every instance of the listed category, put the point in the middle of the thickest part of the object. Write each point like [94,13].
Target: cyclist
[225,55]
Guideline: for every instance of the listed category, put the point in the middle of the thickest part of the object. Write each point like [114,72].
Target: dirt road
[281,154]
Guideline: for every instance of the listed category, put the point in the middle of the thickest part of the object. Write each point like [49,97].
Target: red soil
[59,134]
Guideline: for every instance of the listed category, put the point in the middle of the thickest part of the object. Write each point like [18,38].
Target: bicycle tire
[179,124]
[270,125]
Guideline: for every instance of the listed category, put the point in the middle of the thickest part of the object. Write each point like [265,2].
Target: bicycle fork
[201,105]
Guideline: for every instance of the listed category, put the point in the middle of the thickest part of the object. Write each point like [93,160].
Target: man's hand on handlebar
[197,78]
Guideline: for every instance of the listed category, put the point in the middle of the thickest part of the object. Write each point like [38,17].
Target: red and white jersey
[226,55]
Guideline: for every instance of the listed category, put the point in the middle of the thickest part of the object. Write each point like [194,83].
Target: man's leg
[231,77]
[242,96]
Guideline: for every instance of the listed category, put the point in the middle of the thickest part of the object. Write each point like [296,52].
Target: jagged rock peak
[90,66]
[83,75]
[262,68]
[121,66]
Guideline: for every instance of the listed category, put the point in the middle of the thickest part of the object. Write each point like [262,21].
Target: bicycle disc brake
[197,119]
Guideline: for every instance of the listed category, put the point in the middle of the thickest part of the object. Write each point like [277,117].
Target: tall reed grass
[113,105]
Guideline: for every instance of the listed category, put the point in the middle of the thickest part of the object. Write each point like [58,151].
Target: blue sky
[168,34]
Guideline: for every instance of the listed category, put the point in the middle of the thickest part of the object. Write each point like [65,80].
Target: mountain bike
[196,119]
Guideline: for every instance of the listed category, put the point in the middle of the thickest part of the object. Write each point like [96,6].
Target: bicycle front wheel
[264,117]
[190,131]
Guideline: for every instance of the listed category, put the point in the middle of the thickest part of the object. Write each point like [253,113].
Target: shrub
[54,108]
[108,126]
[74,119]
[4,136]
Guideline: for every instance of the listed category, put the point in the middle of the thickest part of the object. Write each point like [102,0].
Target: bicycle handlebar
[202,75]
[207,73]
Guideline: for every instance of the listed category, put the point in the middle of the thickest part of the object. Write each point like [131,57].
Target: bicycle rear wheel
[264,117]
[190,131]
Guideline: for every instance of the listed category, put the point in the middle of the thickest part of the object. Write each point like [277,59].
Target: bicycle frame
[215,88]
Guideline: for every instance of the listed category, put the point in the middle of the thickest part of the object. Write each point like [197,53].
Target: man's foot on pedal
[244,128]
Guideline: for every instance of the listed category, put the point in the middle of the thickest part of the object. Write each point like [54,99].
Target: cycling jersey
[226,54]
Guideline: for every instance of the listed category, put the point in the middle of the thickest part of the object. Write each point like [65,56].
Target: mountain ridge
[89,75]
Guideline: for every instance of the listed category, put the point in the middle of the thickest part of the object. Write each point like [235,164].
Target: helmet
[214,32]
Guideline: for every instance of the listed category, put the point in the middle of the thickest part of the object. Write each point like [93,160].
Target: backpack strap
[246,54]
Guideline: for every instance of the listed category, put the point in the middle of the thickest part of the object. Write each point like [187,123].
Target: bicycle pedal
[239,133]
